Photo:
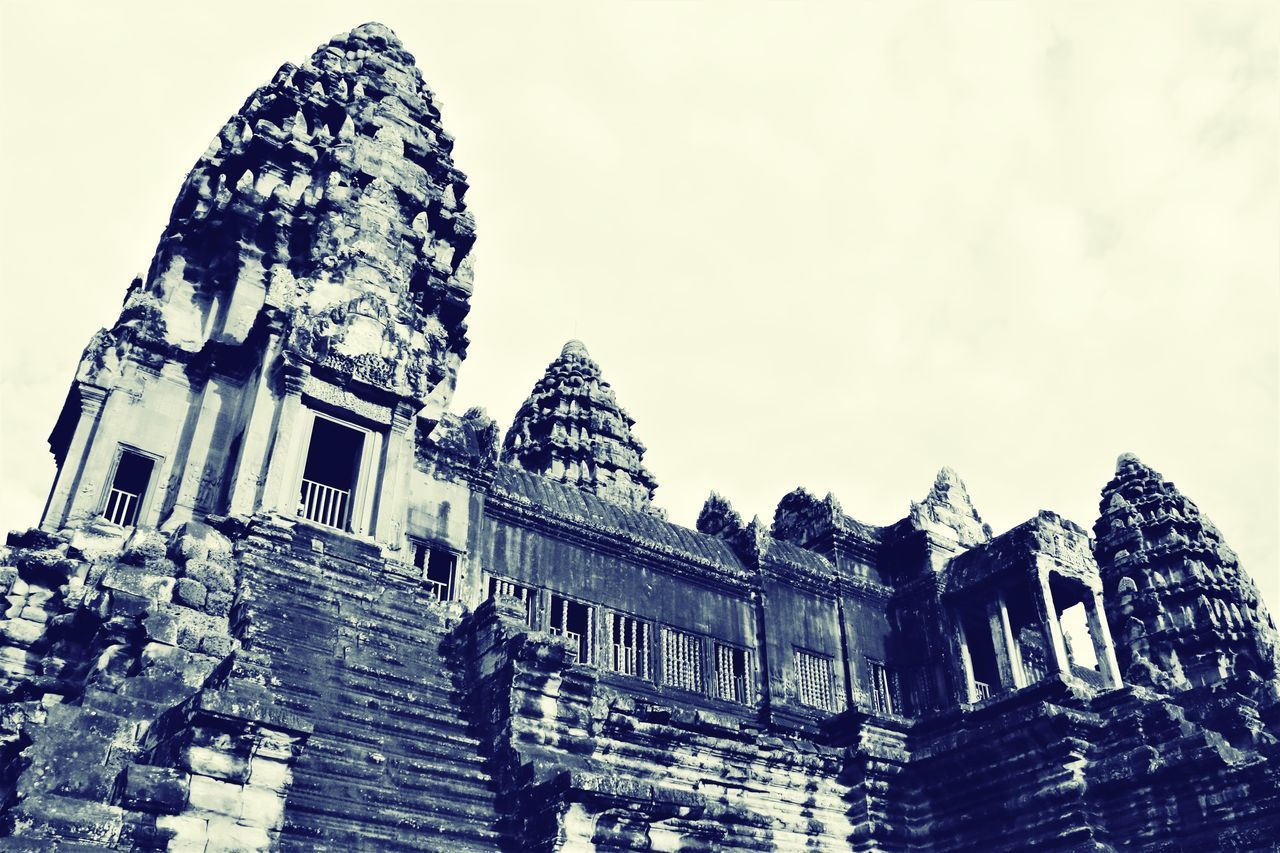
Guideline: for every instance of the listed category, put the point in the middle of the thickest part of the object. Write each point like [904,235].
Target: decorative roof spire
[949,510]
[328,208]
[572,429]
[719,518]
[1183,612]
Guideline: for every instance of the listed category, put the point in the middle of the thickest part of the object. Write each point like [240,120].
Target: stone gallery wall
[262,688]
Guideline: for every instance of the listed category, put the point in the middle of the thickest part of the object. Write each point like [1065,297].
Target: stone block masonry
[283,598]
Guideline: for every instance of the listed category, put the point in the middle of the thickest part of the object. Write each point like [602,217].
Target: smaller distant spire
[719,518]
[572,429]
[948,509]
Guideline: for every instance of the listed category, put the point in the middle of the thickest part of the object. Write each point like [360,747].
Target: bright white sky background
[830,245]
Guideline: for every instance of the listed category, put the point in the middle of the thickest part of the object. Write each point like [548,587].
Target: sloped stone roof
[544,495]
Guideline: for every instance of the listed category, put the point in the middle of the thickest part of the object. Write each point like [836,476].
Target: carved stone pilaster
[62,495]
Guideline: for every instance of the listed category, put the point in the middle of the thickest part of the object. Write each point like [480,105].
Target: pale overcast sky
[829,245]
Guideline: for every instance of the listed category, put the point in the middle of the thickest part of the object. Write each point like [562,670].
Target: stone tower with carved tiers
[1186,615]
[282,598]
[572,429]
[316,262]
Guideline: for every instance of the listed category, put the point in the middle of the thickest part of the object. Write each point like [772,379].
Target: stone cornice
[630,546]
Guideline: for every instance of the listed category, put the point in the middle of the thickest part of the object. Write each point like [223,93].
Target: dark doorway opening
[128,486]
[329,478]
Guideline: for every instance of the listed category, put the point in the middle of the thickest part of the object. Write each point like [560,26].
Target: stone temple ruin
[282,597]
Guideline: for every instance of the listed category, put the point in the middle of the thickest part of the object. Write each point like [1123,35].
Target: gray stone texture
[513,649]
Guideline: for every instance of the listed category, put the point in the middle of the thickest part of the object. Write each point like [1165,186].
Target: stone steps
[334,831]
[453,799]
[426,758]
[367,663]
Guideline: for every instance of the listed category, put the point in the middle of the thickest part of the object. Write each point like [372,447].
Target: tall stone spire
[329,209]
[1183,612]
[572,429]
[316,257]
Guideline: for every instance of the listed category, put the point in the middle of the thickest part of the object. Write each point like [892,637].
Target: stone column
[964,661]
[62,495]
[1100,632]
[191,458]
[1042,594]
[280,493]
[248,470]
[392,492]
[1008,661]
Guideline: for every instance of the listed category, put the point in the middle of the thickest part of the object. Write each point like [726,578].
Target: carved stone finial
[572,429]
[574,348]
[718,518]
[949,511]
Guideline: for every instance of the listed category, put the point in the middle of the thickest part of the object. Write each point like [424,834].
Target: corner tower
[304,309]
[572,429]
[1185,614]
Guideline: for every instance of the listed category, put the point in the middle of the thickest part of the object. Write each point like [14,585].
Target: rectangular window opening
[816,687]
[681,660]
[884,688]
[438,568]
[628,651]
[733,669]
[128,487]
[329,477]
[576,621]
[510,589]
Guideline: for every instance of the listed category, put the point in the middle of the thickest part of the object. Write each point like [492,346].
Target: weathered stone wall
[292,688]
[125,725]
[264,676]
[582,766]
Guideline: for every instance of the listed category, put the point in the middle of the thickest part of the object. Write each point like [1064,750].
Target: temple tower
[572,429]
[303,316]
[1185,614]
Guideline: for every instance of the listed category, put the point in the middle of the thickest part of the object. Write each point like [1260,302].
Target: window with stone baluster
[733,674]
[628,645]
[576,622]
[682,659]
[122,503]
[438,569]
[329,475]
[500,586]
[885,689]
[815,680]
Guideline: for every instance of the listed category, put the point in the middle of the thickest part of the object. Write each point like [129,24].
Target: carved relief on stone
[331,198]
